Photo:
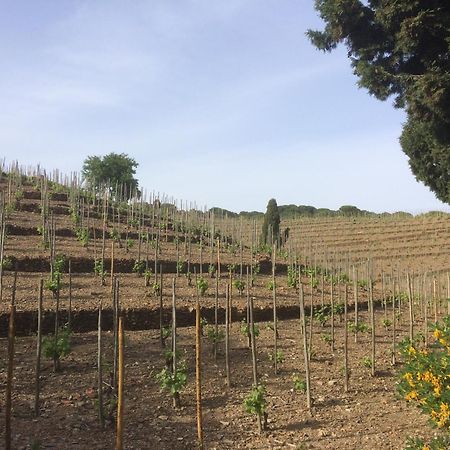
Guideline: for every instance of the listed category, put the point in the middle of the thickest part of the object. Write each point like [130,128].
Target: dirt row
[369,416]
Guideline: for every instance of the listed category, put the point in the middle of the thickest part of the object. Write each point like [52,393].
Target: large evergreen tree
[113,171]
[401,48]
[271,223]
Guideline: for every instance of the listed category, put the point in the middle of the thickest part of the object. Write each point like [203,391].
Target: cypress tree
[271,224]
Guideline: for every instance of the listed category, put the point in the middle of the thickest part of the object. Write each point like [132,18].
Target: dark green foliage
[401,49]
[361,327]
[349,211]
[139,267]
[83,236]
[436,443]
[292,277]
[173,382]
[202,286]
[98,268]
[429,157]
[322,314]
[299,383]
[60,348]
[239,285]
[245,329]
[54,283]
[7,263]
[271,224]
[112,171]
[255,402]
[279,357]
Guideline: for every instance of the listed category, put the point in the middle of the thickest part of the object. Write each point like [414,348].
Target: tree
[349,210]
[271,223]
[113,172]
[400,48]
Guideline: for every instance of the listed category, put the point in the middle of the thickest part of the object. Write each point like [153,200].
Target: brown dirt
[369,416]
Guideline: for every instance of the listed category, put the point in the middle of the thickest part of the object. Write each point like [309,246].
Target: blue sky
[224,103]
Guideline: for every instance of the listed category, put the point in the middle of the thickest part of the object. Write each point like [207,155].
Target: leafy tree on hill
[350,210]
[113,171]
[271,224]
[400,48]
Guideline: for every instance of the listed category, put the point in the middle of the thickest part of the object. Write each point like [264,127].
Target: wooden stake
[9,377]
[37,381]
[274,296]
[100,369]
[227,336]
[345,339]
[120,399]
[161,337]
[198,373]
[373,324]
[69,319]
[305,345]
[410,301]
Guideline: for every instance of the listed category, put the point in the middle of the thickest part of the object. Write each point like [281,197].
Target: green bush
[255,402]
[202,286]
[425,377]
[60,348]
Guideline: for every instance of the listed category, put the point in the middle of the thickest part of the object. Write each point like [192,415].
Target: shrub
[139,267]
[173,382]
[60,348]
[98,268]
[7,263]
[202,286]
[299,383]
[279,357]
[425,377]
[255,402]
[292,277]
[322,314]
[239,285]
[82,235]
[245,329]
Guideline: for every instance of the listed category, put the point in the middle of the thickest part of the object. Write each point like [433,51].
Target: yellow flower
[411,350]
[411,396]
[408,376]
[437,334]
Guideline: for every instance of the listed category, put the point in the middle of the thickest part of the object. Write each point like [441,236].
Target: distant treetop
[114,172]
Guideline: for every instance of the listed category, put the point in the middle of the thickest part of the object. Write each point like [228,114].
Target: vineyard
[149,323]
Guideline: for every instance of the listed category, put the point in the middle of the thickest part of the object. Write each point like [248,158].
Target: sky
[222,103]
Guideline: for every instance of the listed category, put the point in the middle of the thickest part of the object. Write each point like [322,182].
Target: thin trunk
[305,345]
[373,325]
[120,397]
[38,350]
[69,319]
[227,336]
[345,339]
[161,311]
[274,294]
[410,301]
[99,368]
[10,370]
[198,373]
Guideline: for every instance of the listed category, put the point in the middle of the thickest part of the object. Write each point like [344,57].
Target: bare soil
[369,416]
